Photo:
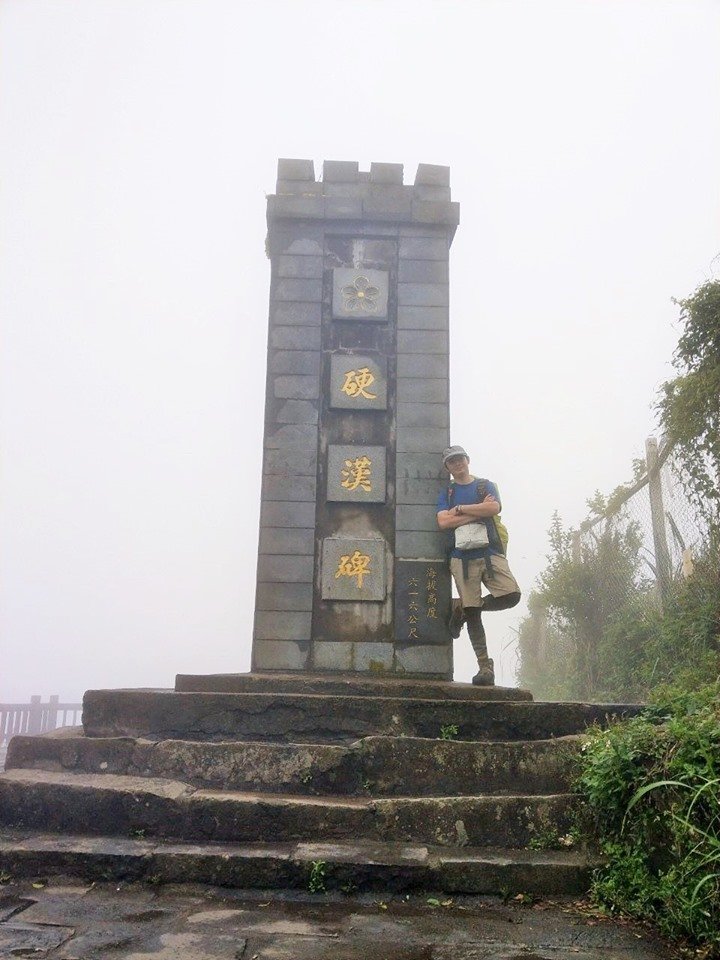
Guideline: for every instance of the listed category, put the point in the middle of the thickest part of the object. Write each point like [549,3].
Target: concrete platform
[66,919]
[383,766]
[344,686]
[315,718]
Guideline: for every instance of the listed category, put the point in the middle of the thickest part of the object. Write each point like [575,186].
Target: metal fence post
[657,514]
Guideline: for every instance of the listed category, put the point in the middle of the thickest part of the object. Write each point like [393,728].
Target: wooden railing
[36,717]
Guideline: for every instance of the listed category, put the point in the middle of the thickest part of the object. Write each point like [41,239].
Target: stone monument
[352,575]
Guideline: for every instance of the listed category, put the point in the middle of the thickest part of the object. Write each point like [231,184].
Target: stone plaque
[422,601]
[358,383]
[356,473]
[353,569]
[360,294]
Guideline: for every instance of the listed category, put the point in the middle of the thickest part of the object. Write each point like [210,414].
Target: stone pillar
[352,575]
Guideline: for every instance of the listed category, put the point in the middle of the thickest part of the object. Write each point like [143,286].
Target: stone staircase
[253,780]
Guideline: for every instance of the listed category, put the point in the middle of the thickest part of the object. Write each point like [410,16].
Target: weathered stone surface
[289,488]
[425,544]
[288,541]
[279,514]
[390,867]
[422,341]
[422,415]
[386,173]
[360,294]
[422,390]
[286,313]
[432,440]
[422,601]
[307,207]
[422,318]
[332,655]
[423,271]
[277,569]
[285,625]
[340,171]
[302,718]
[353,569]
[291,462]
[421,294]
[294,265]
[417,657]
[358,382]
[394,766]
[422,366]
[296,290]
[424,248]
[292,596]
[432,174]
[295,170]
[356,473]
[295,361]
[356,686]
[280,654]
[295,338]
[296,387]
[297,411]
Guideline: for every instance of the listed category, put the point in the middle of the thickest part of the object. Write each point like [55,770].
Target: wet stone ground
[66,920]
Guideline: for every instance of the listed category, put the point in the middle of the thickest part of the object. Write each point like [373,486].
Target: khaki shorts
[499,584]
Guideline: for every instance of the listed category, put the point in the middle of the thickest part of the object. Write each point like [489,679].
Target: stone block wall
[351,571]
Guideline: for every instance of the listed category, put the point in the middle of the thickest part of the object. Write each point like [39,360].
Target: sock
[477,632]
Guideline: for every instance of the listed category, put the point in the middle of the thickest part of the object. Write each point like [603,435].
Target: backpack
[497,531]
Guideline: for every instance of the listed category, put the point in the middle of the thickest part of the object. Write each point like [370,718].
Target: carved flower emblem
[360,296]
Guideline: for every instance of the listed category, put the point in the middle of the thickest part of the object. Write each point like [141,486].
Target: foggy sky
[138,141]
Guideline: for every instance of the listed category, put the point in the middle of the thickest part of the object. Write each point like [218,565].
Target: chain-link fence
[652,527]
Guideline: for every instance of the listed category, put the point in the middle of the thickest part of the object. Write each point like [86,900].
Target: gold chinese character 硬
[356,383]
[357,474]
[357,565]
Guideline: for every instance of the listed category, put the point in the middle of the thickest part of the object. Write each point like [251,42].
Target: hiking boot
[456,619]
[485,677]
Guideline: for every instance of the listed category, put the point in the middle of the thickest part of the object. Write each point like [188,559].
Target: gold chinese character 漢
[357,474]
[357,565]
[356,382]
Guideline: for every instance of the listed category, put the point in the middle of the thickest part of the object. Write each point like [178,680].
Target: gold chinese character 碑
[357,382]
[357,565]
[357,474]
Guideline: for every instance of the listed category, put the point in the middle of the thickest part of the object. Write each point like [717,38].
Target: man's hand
[467,513]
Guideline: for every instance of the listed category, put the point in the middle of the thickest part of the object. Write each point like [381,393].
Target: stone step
[355,866]
[328,685]
[122,805]
[377,766]
[165,714]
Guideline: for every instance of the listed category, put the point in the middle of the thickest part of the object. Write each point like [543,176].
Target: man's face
[457,466]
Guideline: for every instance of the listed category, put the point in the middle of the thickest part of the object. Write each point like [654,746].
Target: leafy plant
[317,881]
[651,801]
[449,731]
[689,405]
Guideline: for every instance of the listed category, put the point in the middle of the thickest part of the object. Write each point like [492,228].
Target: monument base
[250,779]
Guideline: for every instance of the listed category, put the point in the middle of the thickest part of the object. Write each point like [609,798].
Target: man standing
[469,500]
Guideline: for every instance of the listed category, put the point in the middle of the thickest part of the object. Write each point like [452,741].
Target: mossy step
[356,866]
[165,714]
[122,805]
[373,766]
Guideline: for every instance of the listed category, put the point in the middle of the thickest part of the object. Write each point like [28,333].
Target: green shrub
[650,788]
